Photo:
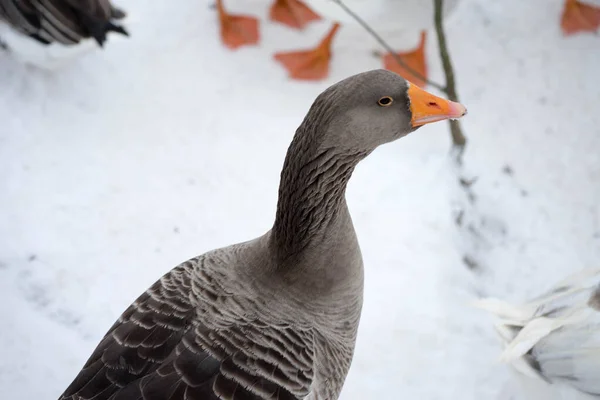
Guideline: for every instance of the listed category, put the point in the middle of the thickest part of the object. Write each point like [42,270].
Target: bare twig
[386,46]
[458,138]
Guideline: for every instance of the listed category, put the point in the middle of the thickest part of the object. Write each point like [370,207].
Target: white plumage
[553,341]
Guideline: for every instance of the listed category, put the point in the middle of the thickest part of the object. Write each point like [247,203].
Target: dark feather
[63,21]
[159,350]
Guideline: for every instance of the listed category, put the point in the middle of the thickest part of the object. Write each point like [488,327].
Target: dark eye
[385,101]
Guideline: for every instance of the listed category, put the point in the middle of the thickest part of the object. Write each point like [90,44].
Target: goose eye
[385,101]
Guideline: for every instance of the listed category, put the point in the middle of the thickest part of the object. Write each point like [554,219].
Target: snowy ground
[131,160]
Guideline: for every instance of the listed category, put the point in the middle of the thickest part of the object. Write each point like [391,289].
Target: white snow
[127,161]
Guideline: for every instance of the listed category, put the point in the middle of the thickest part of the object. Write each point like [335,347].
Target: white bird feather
[553,341]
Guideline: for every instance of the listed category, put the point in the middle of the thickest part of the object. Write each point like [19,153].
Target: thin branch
[386,46]
[458,138]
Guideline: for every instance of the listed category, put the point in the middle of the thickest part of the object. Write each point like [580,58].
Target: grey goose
[275,317]
[62,21]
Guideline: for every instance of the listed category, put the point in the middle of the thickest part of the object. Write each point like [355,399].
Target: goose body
[222,322]
[46,33]
[275,317]
[553,341]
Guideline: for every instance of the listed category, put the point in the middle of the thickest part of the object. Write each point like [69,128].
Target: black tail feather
[109,27]
[98,29]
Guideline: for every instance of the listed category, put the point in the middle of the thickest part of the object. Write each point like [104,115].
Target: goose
[552,342]
[401,23]
[46,33]
[275,317]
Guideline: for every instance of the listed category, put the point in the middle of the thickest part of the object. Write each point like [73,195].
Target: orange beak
[427,108]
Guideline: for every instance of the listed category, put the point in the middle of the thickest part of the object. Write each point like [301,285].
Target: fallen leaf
[415,59]
[579,17]
[309,64]
[293,13]
[237,30]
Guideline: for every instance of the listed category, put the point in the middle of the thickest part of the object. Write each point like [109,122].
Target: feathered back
[556,336]
[62,21]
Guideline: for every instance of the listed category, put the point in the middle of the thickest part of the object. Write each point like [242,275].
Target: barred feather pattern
[313,196]
[62,21]
[198,334]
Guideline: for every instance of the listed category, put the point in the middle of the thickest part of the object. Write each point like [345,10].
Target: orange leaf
[293,13]
[309,64]
[415,59]
[237,30]
[304,65]
[579,17]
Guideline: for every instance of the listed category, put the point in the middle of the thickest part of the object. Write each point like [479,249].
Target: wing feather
[161,348]
[556,336]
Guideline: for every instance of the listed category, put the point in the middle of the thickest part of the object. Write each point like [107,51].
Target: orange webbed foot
[237,30]
[579,17]
[415,59]
[293,13]
[309,64]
